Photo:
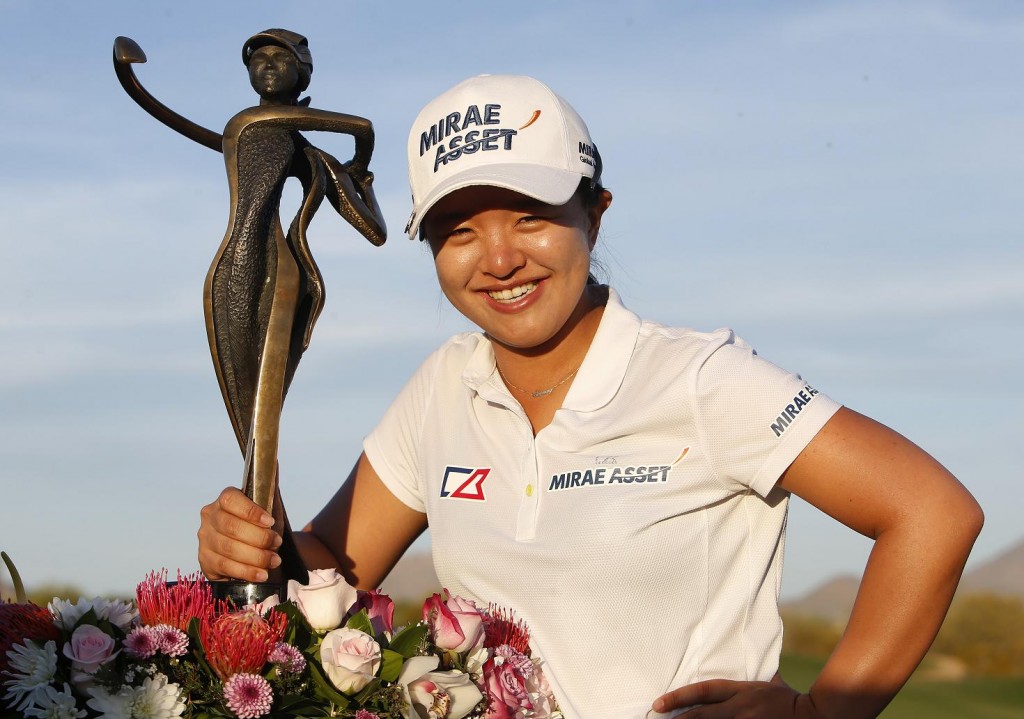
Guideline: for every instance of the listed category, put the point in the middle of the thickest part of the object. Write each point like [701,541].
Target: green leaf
[299,630]
[88,618]
[367,693]
[197,642]
[298,706]
[324,688]
[391,665]
[361,621]
[407,642]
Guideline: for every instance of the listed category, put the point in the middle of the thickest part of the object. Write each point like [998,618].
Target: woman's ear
[594,213]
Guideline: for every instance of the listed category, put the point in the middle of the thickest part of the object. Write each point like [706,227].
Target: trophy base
[242,594]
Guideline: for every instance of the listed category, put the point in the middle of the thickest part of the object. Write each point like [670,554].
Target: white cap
[506,131]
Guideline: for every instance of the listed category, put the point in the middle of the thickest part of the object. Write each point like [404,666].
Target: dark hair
[589,191]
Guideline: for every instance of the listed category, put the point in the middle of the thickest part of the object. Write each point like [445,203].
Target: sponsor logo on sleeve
[788,414]
[464,482]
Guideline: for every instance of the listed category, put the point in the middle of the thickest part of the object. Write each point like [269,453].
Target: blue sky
[839,182]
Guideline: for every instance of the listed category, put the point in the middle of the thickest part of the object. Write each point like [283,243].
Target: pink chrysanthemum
[172,641]
[287,658]
[142,642]
[175,604]
[248,695]
[365,714]
[522,663]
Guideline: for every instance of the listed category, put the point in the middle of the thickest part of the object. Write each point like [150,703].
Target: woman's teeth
[514,293]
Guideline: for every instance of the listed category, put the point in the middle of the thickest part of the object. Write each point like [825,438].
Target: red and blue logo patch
[464,482]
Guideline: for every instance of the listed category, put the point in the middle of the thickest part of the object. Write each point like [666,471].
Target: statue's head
[284,46]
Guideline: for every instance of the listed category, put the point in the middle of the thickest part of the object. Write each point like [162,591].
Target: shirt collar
[604,367]
[599,377]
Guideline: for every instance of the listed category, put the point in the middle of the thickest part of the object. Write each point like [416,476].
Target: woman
[621,484]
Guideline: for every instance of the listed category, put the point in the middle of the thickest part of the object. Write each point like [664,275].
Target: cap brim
[547,184]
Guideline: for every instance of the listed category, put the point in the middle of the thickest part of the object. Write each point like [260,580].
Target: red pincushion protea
[502,627]
[241,642]
[19,622]
[176,604]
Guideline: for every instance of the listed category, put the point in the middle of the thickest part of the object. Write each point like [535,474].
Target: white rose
[351,659]
[325,600]
[451,694]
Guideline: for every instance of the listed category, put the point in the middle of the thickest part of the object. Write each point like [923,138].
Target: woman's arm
[362,531]
[923,523]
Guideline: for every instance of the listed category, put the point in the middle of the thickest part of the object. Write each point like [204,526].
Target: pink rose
[437,694]
[325,600]
[351,659]
[89,648]
[455,624]
[380,609]
[505,680]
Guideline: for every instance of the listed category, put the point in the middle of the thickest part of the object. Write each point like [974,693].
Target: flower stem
[19,587]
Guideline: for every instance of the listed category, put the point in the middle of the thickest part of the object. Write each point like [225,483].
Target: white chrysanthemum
[56,704]
[157,699]
[67,613]
[122,615]
[32,668]
[112,706]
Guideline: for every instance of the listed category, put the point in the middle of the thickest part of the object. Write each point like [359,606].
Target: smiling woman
[622,484]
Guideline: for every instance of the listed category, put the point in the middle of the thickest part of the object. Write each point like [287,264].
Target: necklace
[540,392]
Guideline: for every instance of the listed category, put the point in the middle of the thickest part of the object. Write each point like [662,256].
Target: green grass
[973,698]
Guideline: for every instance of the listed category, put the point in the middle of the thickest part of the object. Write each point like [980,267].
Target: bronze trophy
[263,292]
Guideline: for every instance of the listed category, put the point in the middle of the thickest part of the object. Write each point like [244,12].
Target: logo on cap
[453,137]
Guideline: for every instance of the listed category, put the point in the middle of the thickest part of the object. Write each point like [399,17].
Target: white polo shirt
[640,534]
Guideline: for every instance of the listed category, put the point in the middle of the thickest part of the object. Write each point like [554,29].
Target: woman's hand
[727,699]
[237,539]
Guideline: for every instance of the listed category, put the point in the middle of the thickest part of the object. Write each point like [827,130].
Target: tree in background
[986,631]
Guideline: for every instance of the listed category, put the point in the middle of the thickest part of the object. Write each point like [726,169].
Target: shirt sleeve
[393,447]
[754,417]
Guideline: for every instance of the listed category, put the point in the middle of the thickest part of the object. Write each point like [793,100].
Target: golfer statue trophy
[263,292]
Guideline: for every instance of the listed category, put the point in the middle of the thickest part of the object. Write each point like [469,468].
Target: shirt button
[529,490]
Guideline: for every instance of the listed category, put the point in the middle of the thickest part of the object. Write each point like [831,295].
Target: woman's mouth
[513,293]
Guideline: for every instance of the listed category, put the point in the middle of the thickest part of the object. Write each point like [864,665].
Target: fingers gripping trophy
[263,292]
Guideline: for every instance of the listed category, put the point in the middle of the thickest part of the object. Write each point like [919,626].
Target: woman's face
[274,73]
[513,265]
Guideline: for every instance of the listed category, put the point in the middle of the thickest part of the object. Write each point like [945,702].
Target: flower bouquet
[329,650]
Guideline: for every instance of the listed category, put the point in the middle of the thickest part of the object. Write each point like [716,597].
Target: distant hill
[1004,574]
[833,600]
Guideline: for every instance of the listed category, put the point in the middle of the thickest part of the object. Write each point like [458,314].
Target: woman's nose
[502,255]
